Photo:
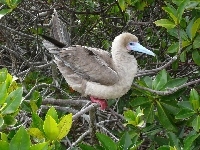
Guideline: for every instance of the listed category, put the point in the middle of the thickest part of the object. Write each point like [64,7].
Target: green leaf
[172,12]
[36,133]
[122,4]
[185,113]
[148,81]
[173,48]
[39,146]
[64,126]
[4,145]
[196,57]
[53,113]
[4,12]
[129,115]
[4,137]
[194,99]
[124,142]
[174,140]
[13,101]
[165,23]
[3,93]
[181,9]
[51,128]
[160,80]
[106,142]
[175,82]
[183,56]
[196,123]
[3,75]
[196,43]
[163,116]
[21,140]
[9,120]
[189,141]
[138,101]
[176,32]
[170,106]
[149,113]
[1,121]
[185,104]
[37,122]
[194,28]
[86,147]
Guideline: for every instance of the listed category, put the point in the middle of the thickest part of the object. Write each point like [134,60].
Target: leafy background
[162,109]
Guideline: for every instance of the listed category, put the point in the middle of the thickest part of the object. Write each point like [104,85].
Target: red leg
[102,102]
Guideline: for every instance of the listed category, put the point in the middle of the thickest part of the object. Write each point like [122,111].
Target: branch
[35,87]
[147,72]
[17,32]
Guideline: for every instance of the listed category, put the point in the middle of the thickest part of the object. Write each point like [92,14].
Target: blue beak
[139,48]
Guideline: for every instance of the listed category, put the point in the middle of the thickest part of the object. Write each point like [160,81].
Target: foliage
[10,99]
[162,109]
[12,4]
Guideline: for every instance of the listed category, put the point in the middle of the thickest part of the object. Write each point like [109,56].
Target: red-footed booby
[97,73]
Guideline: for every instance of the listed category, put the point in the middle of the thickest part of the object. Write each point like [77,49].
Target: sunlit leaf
[40,146]
[3,74]
[64,126]
[122,4]
[165,23]
[13,101]
[36,133]
[3,93]
[51,128]
[53,113]
[172,12]
[1,121]
[4,145]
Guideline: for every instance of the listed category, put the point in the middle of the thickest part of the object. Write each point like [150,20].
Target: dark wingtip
[53,41]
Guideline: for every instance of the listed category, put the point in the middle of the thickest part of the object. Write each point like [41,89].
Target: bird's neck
[124,63]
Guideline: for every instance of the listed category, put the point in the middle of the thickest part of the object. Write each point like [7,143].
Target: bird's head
[129,42]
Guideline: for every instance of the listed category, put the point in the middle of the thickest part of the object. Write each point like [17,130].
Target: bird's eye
[131,43]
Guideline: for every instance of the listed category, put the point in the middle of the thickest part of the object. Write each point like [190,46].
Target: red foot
[102,102]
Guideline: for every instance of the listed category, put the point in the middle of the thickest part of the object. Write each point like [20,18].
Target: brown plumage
[92,71]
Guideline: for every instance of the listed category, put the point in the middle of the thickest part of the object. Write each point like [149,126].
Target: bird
[95,72]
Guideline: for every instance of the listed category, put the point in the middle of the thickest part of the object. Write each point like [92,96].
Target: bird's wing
[58,30]
[93,65]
